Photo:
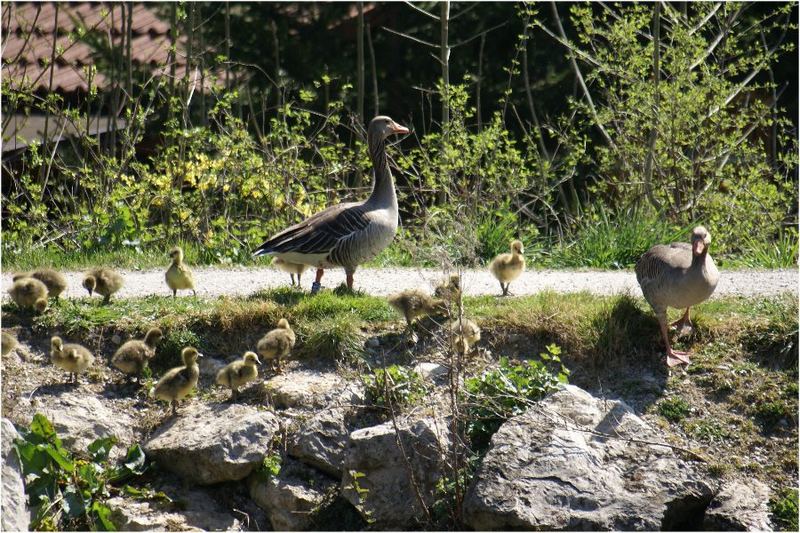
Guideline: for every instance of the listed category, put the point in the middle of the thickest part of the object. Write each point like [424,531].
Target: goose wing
[661,259]
[319,233]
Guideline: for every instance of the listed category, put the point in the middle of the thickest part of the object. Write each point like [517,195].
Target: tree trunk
[444,58]
[360,61]
[375,95]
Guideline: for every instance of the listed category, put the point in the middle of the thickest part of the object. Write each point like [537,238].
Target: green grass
[609,242]
[783,507]
[674,409]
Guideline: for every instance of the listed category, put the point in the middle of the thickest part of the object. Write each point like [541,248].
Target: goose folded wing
[319,233]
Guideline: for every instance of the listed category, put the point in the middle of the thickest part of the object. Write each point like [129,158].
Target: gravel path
[213,282]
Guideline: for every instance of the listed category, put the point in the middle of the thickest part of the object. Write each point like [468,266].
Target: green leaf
[135,460]
[103,515]
[100,448]
[59,456]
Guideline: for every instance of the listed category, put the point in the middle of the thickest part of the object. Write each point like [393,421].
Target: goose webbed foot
[675,358]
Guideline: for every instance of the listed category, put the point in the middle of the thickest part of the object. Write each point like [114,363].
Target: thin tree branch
[409,37]
[580,79]
[422,11]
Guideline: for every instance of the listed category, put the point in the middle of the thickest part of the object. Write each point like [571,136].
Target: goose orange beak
[397,128]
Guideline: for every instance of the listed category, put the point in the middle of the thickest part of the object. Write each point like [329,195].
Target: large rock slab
[294,496]
[309,389]
[548,469]
[378,473]
[213,443]
[80,418]
[321,441]
[197,511]
[739,506]
[14,514]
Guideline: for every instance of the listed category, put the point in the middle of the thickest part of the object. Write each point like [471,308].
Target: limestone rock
[739,506]
[14,514]
[431,371]
[213,443]
[374,462]
[293,496]
[196,511]
[79,419]
[321,441]
[310,389]
[548,469]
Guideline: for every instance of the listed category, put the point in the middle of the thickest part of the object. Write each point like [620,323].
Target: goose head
[153,336]
[56,343]
[89,283]
[382,126]
[40,305]
[250,358]
[283,323]
[190,355]
[701,239]
[176,254]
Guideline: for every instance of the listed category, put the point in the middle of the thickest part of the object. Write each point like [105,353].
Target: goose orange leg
[350,280]
[674,357]
[682,321]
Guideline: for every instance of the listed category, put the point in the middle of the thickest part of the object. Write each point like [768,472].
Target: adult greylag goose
[507,267]
[678,275]
[346,234]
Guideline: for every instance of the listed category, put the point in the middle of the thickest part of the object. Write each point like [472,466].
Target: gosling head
[89,283]
[283,323]
[701,239]
[516,247]
[250,358]
[176,254]
[71,354]
[56,343]
[190,355]
[153,336]
[455,280]
[382,126]
[19,276]
[40,305]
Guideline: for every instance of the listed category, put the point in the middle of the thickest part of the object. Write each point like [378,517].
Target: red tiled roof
[28,29]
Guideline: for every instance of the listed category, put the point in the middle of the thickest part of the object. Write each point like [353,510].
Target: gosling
[449,290]
[277,344]
[133,356]
[73,358]
[291,268]
[7,343]
[29,293]
[239,373]
[507,267]
[178,275]
[413,303]
[179,381]
[464,334]
[55,281]
[103,281]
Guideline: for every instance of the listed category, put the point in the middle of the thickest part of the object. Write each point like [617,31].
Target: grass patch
[783,507]
[674,409]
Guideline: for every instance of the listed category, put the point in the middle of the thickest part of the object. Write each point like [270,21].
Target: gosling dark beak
[698,247]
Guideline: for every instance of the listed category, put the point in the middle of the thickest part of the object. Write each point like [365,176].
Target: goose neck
[383,186]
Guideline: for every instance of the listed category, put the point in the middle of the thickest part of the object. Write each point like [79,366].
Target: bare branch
[705,20]
[409,37]
[420,10]
[480,34]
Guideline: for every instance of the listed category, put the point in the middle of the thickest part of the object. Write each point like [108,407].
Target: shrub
[66,492]
[497,395]
[394,386]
